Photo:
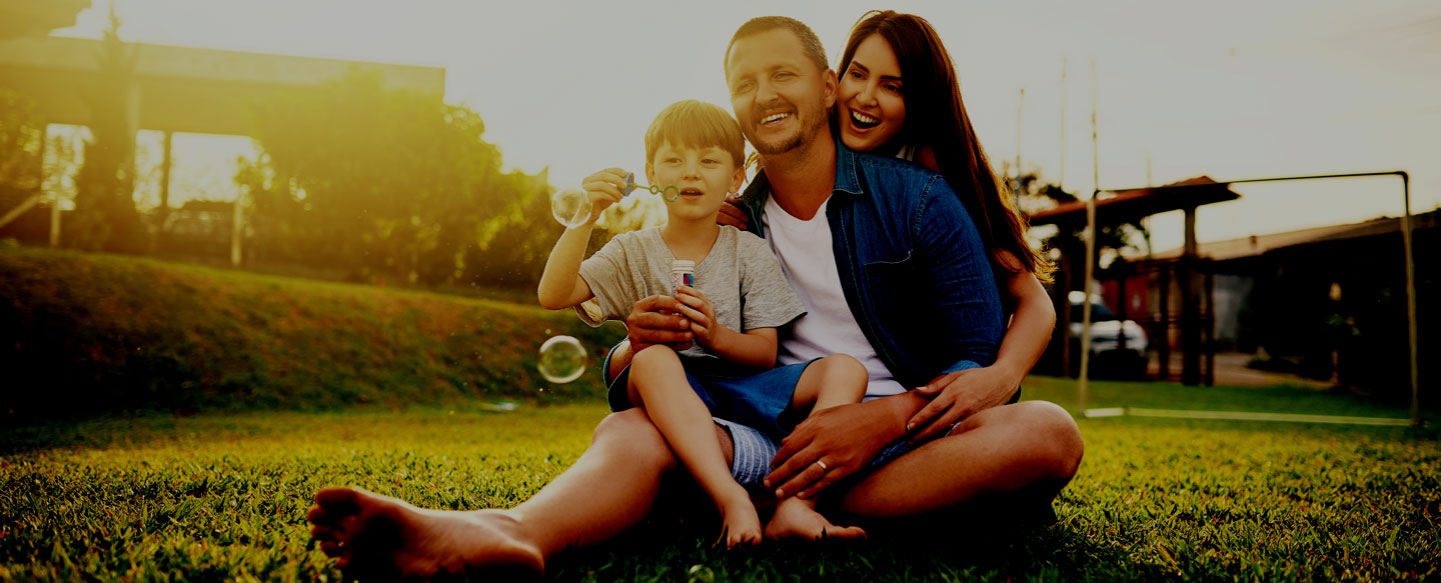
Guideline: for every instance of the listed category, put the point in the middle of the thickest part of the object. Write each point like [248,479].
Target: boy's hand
[603,188]
[701,312]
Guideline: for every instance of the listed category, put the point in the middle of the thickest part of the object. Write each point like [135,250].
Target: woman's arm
[982,388]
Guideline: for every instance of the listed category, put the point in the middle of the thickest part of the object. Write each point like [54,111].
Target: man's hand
[697,307]
[830,445]
[656,320]
[732,215]
[958,395]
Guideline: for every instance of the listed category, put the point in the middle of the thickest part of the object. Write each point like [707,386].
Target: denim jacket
[911,262]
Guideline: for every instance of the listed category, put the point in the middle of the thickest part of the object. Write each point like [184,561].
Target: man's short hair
[810,43]
[695,124]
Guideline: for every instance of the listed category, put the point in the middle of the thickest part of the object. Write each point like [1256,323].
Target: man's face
[779,96]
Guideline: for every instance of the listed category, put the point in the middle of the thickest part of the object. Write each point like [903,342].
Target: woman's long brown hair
[936,118]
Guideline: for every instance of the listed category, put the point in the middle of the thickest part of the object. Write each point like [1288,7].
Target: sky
[1231,89]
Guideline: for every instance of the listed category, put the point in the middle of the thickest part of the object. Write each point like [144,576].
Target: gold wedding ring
[822,465]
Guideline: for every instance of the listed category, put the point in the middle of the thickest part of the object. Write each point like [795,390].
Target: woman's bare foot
[742,526]
[379,537]
[797,518]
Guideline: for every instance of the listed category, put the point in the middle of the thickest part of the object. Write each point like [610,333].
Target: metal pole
[1083,381]
[1020,106]
[1061,178]
[1410,299]
[1086,303]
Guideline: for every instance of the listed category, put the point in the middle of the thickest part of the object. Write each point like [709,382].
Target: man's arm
[652,320]
[845,438]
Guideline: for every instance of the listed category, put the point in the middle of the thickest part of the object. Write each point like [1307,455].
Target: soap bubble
[570,206]
[562,359]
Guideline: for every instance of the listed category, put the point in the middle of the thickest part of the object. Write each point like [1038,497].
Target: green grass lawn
[222,497]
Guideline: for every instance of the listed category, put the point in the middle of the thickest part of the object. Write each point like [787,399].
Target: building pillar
[1190,309]
[165,162]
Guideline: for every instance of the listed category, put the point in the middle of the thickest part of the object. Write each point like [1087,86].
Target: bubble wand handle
[671,192]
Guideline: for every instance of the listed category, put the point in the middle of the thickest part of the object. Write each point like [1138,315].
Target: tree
[391,186]
[105,214]
[1111,239]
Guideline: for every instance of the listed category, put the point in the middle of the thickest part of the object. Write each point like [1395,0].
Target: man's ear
[832,88]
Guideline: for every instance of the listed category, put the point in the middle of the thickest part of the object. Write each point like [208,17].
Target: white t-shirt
[809,263]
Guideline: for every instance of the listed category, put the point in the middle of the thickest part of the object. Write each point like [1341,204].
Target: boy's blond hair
[695,124]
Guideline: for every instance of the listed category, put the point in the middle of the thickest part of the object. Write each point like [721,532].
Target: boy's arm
[755,348]
[560,284]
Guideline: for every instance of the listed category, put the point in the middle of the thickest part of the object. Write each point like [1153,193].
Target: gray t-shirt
[740,276]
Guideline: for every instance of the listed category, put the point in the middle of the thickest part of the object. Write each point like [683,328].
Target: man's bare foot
[796,518]
[742,526]
[379,537]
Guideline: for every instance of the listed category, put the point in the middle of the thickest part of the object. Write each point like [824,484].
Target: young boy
[698,148]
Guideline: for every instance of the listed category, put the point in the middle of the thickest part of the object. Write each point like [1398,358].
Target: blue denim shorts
[760,401]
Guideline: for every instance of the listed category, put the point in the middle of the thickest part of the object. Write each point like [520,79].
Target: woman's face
[872,107]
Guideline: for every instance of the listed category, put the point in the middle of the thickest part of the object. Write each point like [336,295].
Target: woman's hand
[958,395]
[732,215]
[603,189]
[830,445]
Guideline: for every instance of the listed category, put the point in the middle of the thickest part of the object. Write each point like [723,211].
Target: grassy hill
[83,334]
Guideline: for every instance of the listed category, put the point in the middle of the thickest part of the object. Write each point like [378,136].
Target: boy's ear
[649,172]
[738,180]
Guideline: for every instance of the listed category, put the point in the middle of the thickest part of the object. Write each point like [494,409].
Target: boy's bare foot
[379,537]
[796,518]
[742,526]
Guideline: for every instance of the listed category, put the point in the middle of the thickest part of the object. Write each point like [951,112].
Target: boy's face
[704,177]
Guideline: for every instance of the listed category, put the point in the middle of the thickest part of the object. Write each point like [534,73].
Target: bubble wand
[571,206]
[670,191]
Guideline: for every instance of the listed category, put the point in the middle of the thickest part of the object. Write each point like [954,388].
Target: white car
[1117,346]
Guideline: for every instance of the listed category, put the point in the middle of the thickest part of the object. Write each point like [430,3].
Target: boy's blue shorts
[760,400]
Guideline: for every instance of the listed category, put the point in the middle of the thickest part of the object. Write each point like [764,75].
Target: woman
[894,70]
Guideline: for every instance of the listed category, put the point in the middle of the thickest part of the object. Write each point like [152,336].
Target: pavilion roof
[1124,206]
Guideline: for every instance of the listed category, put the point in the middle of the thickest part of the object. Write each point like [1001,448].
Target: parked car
[1118,347]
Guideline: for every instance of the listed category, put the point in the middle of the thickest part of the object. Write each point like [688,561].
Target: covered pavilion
[1129,206]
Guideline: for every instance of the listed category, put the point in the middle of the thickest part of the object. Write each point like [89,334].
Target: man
[1026,452]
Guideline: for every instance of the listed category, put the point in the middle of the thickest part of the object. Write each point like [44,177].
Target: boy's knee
[842,366]
[653,354]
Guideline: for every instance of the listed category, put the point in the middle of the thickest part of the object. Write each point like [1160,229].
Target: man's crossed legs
[1031,446]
